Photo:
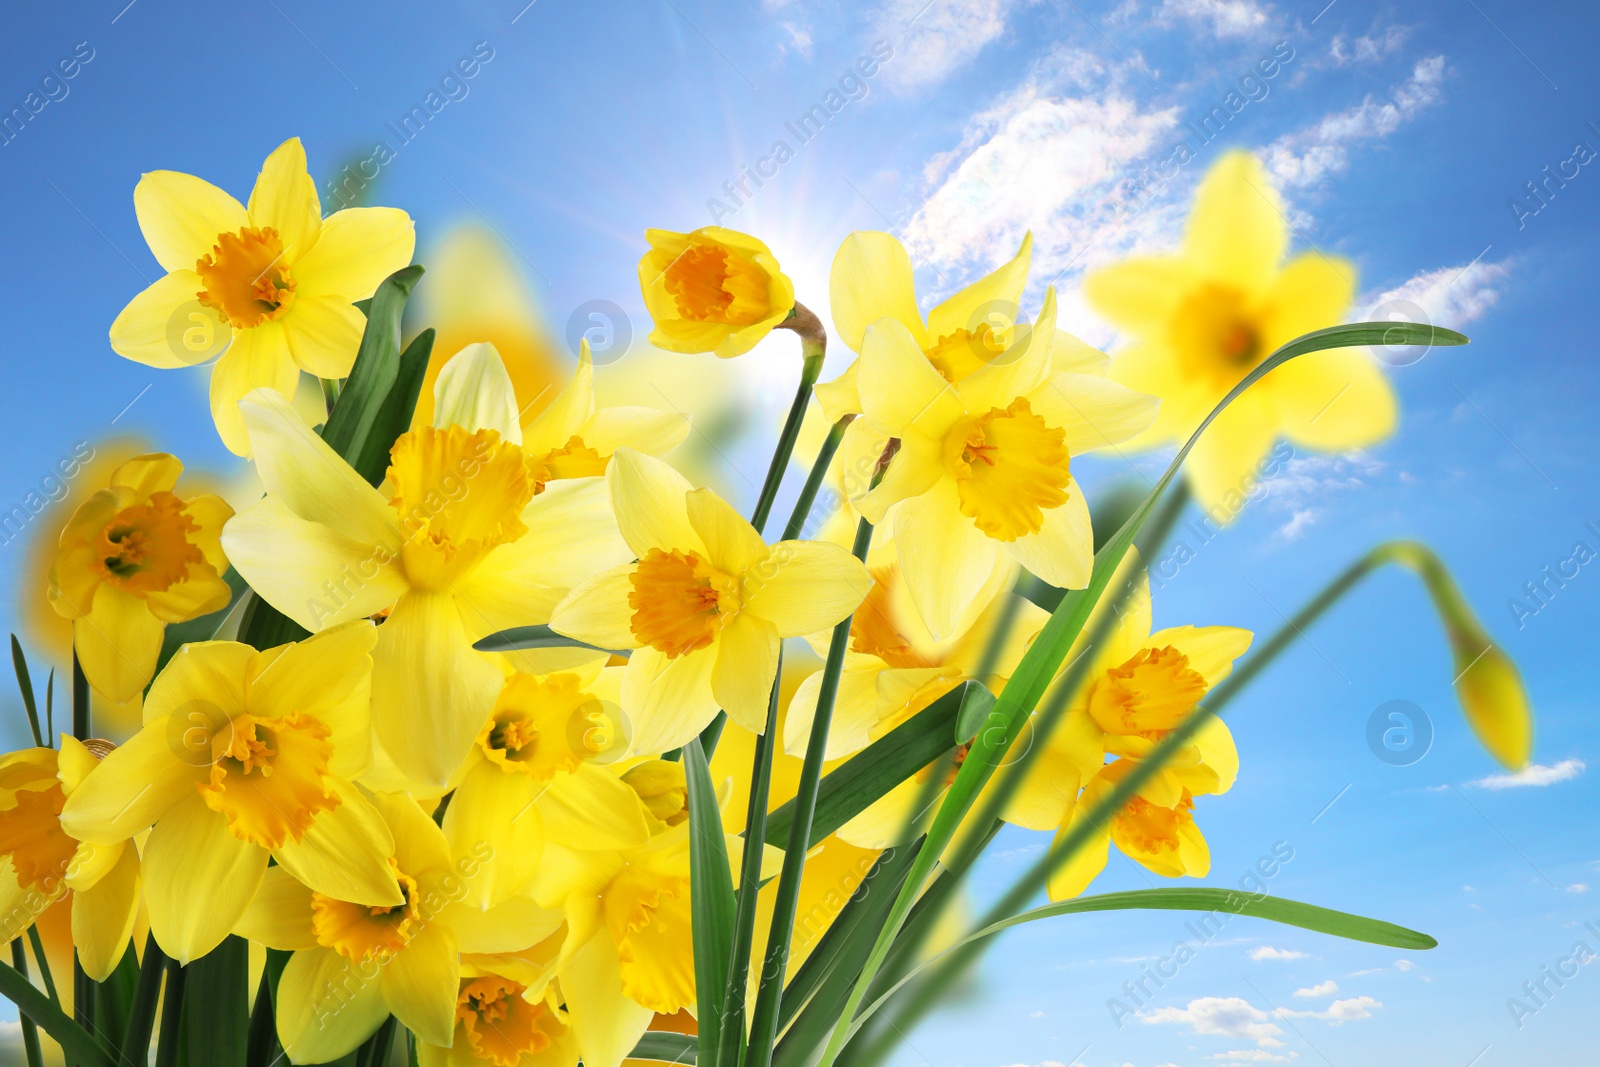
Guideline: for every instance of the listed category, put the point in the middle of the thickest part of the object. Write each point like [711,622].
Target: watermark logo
[1399,733]
[605,326]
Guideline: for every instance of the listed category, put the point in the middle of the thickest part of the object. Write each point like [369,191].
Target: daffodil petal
[323,334]
[855,710]
[431,692]
[199,879]
[607,1023]
[945,558]
[871,279]
[646,430]
[731,542]
[345,852]
[597,610]
[650,500]
[181,216]
[118,643]
[1093,412]
[993,297]
[1061,552]
[154,327]
[805,586]
[285,198]
[137,783]
[1140,295]
[557,424]
[1224,465]
[1019,369]
[102,917]
[420,983]
[590,809]
[747,663]
[1334,401]
[1071,878]
[279,915]
[1211,650]
[357,249]
[327,1005]
[317,484]
[474,391]
[1237,232]
[258,358]
[900,390]
[493,811]
[842,396]
[669,700]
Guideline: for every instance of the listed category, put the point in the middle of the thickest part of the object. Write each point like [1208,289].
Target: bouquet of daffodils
[486,737]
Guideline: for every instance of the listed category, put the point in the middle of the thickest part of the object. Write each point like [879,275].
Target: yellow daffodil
[476,293]
[459,544]
[1139,687]
[872,280]
[704,606]
[571,439]
[629,949]
[134,557]
[1204,316]
[713,290]
[984,466]
[42,863]
[532,774]
[507,1015]
[273,282]
[244,755]
[355,964]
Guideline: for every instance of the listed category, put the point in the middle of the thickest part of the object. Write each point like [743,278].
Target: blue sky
[1402,136]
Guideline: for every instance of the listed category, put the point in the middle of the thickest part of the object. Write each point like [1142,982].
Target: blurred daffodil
[704,605]
[42,862]
[1205,316]
[463,545]
[244,755]
[984,466]
[354,964]
[133,558]
[274,282]
[713,290]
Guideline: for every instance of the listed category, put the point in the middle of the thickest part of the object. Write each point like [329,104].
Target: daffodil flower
[872,279]
[134,557]
[354,964]
[244,755]
[1204,317]
[984,466]
[42,862]
[629,949]
[460,545]
[713,290]
[704,605]
[508,1014]
[274,282]
[531,774]
[571,439]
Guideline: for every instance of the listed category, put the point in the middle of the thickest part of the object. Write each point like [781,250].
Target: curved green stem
[813,348]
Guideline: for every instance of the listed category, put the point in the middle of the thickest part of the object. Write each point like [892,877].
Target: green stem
[142,1013]
[813,347]
[80,701]
[169,1041]
[30,1032]
[330,392]
[819,471]
[44,965]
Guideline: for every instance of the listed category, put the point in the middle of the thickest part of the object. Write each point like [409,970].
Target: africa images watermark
[1543,190]
[1539,991]
[53,89]
[852,85]
[52,489]
[1539,592]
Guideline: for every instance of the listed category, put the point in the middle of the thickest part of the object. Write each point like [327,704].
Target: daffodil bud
[713,290]
[1495,703]
[660,784]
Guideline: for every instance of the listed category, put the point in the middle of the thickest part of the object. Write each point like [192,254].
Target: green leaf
[399,405]
[850,788]
[711,897]
[25,684]
[520,637]
[81,1048]
[665,1047]
[142,1012]
[372,378]
[1038,666]
[1196,898]
[216,1008]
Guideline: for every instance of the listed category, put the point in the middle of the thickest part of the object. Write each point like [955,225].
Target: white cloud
[1305,479]
[933,40]
[1306,157]
[1291,530]
[1578,887]
[1535,774]
[1255,1055]
[1227,18]
[1404,965]
[1321,989]
[1267,952]
[799,37]
[1054,163]
[1368,48]
[1338,1013]
[1448,296]
[1222,1017]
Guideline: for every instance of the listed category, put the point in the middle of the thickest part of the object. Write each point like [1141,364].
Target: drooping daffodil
[713,290]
